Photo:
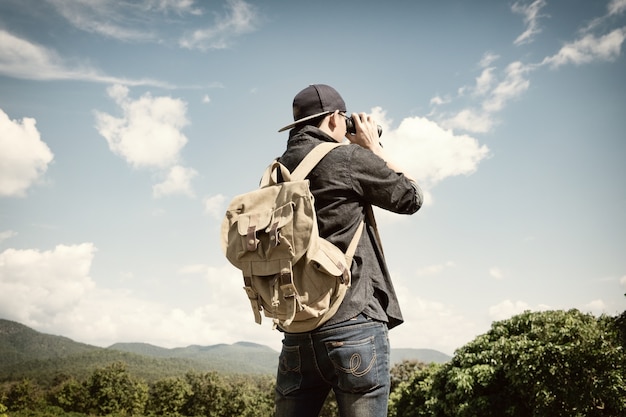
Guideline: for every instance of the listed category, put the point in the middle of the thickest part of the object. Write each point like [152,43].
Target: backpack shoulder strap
[312,159]
[270,176]
[354,243]
[305,166]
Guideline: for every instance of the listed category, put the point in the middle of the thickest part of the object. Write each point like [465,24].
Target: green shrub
[545,364]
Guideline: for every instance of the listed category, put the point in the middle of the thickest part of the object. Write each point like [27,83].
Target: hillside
[235,358]
[26,353]
[19,343]
[423,355]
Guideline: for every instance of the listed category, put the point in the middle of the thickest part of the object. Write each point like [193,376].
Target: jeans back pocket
[289,377]
[355,363]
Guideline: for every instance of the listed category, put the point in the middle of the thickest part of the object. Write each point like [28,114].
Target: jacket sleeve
[380,186]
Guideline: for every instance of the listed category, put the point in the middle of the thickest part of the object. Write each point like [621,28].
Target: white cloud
[240,18]
[596,307]
[7,234]
[622,281]
[430,152]
[589,48]
[104,17]
[124,21]
[148,134]
[178,181]
[470,120]
[438,100]
[531,19]
[214,206]
[488,59]
[24,157]
[35,286]
[616,7]
[139,21]
[52,291]
[496,95]
[22,59]
[431,324]
[206,99]
[496,272]
[507,309]
[484,81]
[514,81]
[513,85]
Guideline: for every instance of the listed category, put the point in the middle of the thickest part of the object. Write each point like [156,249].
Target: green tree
[620,324]
[404,371]
[70,395]
[546,364]
[24,395]
[208,396]
[414,397]
[111,390]
[169,396]
[330,407]
[249,398]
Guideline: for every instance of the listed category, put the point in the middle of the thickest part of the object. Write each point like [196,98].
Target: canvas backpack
[290,273]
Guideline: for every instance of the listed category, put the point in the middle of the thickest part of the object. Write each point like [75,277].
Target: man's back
[347,181]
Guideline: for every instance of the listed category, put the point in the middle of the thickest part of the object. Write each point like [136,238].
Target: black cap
[314,101]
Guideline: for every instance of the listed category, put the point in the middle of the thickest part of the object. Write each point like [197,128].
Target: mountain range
[27,353]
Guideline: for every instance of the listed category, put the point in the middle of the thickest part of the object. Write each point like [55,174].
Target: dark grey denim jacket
[343,184]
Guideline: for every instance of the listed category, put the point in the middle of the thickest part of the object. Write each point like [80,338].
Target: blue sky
[127,127]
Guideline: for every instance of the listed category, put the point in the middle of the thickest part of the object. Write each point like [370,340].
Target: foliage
[620,324]
[546,364]
[246,399]
[28,354]
[19,343]
[49,411]
[403,371]
[69,395]
[23,395]
[169,396]
[208,395]
[112,390]
[330,407]
[413,397]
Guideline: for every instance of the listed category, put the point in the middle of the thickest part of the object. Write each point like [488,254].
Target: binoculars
[352,128]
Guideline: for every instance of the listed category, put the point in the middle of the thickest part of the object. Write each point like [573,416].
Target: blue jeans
[352,358]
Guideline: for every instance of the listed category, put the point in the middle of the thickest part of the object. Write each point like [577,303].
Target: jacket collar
[308,132]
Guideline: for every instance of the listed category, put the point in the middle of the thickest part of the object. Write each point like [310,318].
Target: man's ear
[332,120]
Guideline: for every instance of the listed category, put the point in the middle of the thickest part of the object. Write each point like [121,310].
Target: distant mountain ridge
[27,353]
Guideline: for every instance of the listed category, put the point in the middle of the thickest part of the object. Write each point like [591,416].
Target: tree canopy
[541,364]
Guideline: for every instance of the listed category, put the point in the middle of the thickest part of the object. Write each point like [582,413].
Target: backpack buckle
[286,284]
[274,235]
[251,241]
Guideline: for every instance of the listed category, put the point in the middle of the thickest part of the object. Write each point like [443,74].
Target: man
[350,352]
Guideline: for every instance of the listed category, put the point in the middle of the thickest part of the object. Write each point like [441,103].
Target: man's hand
[367,137]
[366,132]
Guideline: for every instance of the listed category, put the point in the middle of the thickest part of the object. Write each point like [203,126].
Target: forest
[536,364]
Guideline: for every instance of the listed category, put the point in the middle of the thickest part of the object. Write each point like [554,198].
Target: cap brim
[304,119]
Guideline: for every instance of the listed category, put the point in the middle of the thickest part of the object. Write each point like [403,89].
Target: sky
[126,127]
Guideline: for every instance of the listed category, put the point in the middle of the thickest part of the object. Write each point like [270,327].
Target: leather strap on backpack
[311,160]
